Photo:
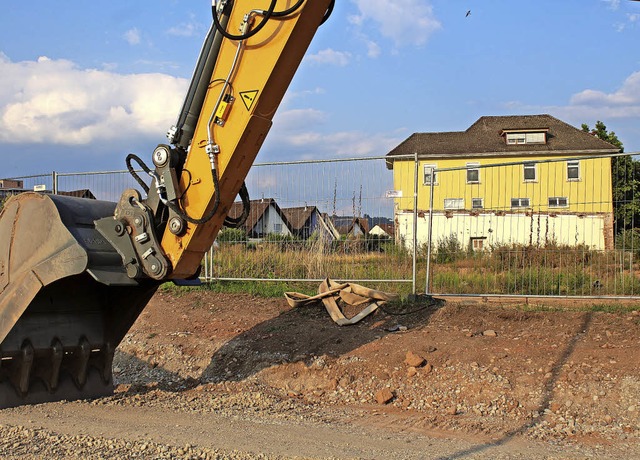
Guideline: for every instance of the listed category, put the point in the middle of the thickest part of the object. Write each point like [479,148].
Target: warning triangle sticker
[248,98]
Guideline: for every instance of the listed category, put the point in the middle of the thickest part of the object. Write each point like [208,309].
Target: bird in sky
[468,14]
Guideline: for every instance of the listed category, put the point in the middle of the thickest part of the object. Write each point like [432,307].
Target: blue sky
[85,83]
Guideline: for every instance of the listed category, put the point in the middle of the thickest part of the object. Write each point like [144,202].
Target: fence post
[54,180]
[430,230]
[414,275]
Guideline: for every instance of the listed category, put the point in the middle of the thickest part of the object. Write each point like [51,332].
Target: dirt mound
[481,369]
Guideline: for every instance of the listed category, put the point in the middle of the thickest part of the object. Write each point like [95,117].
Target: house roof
[257,210]
[486,138]
[387,228]
[345,227]
[299,217]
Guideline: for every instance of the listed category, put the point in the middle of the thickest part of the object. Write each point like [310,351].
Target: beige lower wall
[593,230]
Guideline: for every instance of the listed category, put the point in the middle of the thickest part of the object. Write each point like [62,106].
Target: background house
[265,217]
[350,226]
[497,183]
[305,221]
[10,187]
[383,230]
[11,184]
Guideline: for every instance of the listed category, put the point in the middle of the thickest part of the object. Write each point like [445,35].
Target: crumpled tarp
[331,292]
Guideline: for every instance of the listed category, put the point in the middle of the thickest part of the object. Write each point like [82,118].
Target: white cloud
[300,133]
[55,102]
[621,105]
[624,102]
[299,118]
[613,4]
[132,36]
[373,49]
[190,29]
[406,22]
[342,144]
[330,56]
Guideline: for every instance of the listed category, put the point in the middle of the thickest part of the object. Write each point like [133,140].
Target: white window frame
[530,165]
[453,203]
[473,167]
[477,239]
[476,200]
[516,138]
[427,175]
[574,164]
[521,203]
[277,228]
[557,200]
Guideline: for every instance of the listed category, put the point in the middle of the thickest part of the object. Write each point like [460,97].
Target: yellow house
[529,179]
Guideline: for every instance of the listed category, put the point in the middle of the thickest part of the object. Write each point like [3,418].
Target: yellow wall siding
[591,193]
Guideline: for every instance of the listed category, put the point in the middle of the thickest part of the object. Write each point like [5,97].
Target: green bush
[629,241]
[278,238]
[232,235]
[552,255]
[449,250]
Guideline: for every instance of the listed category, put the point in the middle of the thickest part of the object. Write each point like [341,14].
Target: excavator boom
[76,273]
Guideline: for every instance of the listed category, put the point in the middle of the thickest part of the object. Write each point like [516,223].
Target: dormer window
[525,136]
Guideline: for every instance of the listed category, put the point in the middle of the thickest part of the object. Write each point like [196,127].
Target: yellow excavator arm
[76,273]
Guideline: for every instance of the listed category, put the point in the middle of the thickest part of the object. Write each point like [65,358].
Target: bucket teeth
[57,353]
[83,354]
[107,366]
[26,364]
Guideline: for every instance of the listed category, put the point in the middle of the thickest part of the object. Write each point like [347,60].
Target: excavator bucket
[65,300]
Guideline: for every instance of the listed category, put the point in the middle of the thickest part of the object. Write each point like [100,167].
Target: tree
[600,131]
[625,176]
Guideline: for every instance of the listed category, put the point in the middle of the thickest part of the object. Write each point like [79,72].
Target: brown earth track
[496,382]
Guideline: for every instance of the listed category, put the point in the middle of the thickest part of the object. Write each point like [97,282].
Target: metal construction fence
[553,227]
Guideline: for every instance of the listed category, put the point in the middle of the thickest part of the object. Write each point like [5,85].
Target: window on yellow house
[558,202]
[515,138]
[429,172]
[519,202]
[454,203]
[530,172]
[477,203]
[473,173]
[573,170]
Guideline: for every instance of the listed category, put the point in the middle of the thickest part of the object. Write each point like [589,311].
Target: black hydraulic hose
[251,33]
[203,220]
[133,173]
[170,204]
[237,222]
[294,8]
[329,11]
[287,12]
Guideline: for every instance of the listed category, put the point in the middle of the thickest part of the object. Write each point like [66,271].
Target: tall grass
[507,269]
[534,270]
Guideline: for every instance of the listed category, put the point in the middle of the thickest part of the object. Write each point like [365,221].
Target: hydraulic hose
[133,173]
[206,218]
[170,204]
[266,16]
[237,222]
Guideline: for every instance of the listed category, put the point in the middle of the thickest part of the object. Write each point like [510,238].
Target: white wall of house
[271,222]
[490,229]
